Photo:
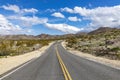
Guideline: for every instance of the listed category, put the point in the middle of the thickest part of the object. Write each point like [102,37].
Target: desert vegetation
[17,47]
[101,42]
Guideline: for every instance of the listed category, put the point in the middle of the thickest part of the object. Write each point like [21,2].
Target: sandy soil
[11,62]
[108,62]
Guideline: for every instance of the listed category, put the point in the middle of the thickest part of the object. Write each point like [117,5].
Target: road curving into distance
[58,64]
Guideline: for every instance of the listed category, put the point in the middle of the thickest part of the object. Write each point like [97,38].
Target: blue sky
[57,16]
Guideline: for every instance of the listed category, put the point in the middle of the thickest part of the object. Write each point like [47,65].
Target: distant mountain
[41,36]
[17,37]
[47,36]
[100,30]
[103,30]
[82,33]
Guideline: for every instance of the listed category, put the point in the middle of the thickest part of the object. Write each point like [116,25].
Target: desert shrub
[17,47]
[116,49]
[118,56]
[71,41]
[101,44]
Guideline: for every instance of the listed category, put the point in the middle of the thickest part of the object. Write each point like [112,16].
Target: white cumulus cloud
[58,14]
[50,10]
[63,27]
[7,27]
[100,16]
[17,9]
[66,9]
[74,19]
[29,21]
[14,8]
[32,10]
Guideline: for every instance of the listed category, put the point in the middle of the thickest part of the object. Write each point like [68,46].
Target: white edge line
[17,68]
[20,66]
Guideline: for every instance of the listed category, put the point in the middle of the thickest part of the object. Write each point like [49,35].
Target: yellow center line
[63,67]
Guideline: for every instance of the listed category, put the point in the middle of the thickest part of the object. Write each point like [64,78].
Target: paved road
[47,67]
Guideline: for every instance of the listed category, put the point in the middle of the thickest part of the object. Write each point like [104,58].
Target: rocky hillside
[103,30]
[101,42]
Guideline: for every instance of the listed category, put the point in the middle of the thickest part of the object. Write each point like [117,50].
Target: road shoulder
[7,64]
[102,60]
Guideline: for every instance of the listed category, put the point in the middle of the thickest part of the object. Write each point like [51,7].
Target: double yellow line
[63,67]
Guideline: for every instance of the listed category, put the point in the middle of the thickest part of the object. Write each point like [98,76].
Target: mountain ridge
[48,36]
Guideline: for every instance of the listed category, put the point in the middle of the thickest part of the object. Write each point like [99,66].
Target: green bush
[115,49]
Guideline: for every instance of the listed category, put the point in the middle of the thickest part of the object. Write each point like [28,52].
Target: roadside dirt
[9,63]
[102,60]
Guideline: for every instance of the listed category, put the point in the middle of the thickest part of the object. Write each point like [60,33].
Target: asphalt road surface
[47,67]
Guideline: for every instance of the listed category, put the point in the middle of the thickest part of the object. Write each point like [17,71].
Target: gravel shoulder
[9,63]
[102,60]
